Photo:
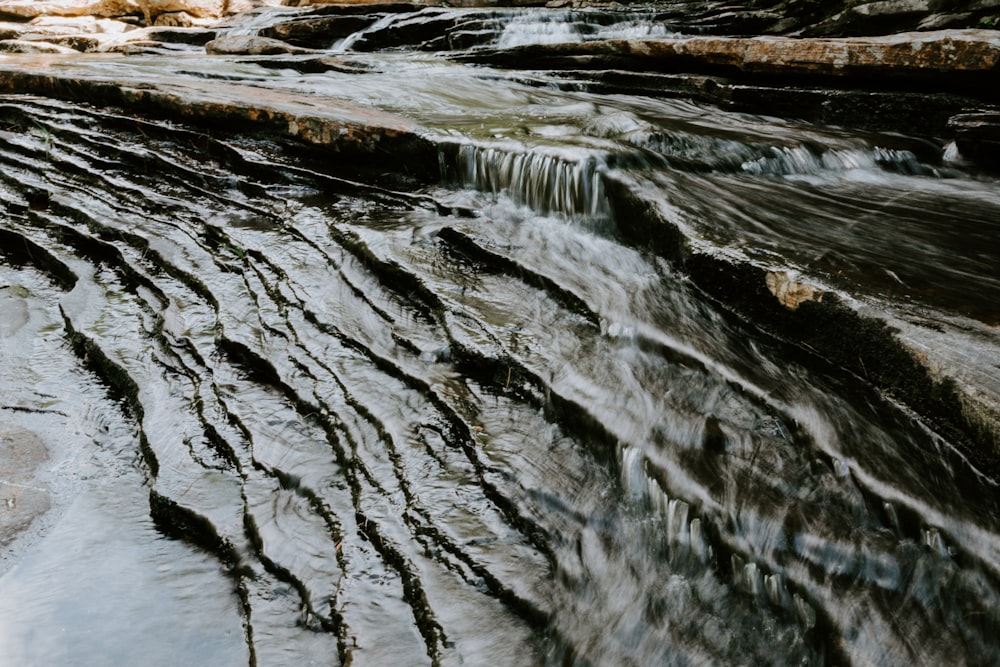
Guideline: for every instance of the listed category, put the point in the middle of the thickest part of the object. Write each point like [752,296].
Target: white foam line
[23,486]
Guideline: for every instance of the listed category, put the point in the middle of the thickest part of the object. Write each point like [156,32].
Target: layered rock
[973,52]
[148,9]
[866,82]
[977,136]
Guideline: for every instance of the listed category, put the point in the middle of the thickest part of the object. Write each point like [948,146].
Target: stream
[287,410]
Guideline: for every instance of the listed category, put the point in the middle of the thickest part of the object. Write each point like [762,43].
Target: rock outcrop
[907,55]
[149,10]
[977,136]
[879,17]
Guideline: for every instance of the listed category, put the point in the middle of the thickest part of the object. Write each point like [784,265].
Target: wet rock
[946,59]
[250,45]
[22,500]
[191,36]
[839,18]
[367,135]
[315,65]
[887,16]
[32,46]
[943,21]
[318,32]
[977,136]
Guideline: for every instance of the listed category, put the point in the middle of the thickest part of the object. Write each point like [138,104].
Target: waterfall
[561,27]
[545,182]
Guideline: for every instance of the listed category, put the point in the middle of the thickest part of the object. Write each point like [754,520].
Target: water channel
[282,411]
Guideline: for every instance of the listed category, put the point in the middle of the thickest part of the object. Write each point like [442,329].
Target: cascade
[366,355]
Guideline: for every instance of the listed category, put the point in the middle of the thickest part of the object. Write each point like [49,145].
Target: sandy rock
[149,9]
[26,9]
[81,24]
[178,20]
[965,50]
[195,8]
[307,3]
[789,292]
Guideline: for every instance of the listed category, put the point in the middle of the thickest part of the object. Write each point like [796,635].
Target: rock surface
[22,500]
[149,9]
[934,54]
[250,45]
[869,17]
[977,136]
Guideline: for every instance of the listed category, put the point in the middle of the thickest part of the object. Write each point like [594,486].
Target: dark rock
[943,21]
[424,26]
[318,32]
[31,46]
[977,136]
[368,135]
[316,65]
[192,36]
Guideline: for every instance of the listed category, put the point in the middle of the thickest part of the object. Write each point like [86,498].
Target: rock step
[942,61]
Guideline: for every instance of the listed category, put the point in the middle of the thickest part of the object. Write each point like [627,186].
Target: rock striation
[869,82]
[941,55]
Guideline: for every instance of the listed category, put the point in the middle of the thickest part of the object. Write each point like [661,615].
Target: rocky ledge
[866,82]
[940,85]
[947,58]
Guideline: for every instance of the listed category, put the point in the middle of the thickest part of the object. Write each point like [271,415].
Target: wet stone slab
[22,500]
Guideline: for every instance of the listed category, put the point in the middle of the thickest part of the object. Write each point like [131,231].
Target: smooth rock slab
[331,124]
[945,51]
[21,498]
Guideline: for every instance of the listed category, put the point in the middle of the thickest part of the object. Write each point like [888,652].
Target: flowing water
[454,418]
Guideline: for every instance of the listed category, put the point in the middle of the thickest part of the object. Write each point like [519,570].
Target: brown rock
[943,51]
[176,20]
[32,46]
[149,9]
[27,9]
[195,8]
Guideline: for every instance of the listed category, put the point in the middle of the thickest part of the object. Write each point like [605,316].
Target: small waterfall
[545,182]
[252,22]
[805,159]
[436,28]
[445,421]
[564,27]
[349,42]
[802,160]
